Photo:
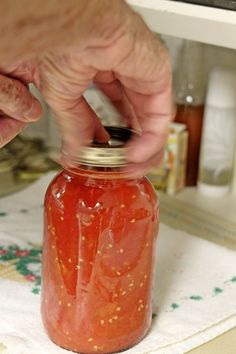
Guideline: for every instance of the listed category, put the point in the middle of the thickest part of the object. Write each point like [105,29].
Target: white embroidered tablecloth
[194,293]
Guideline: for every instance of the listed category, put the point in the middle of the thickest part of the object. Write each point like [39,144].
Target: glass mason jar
[99,252]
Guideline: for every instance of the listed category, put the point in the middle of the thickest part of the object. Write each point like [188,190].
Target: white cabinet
[208,25]
[199,23]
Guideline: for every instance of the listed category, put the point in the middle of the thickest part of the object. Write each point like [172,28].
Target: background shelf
[200,23]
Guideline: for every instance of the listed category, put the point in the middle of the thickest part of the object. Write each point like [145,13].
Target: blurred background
[37,149]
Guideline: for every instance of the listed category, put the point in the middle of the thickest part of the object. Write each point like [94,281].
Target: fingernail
[35,110]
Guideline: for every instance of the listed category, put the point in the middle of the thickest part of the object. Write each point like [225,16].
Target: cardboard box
[170,177]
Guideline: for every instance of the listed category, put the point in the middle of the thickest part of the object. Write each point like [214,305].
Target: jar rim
[110,154]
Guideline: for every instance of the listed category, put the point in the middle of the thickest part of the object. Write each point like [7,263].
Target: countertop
[226,343]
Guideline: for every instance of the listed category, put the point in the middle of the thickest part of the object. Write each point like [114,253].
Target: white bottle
[219,132]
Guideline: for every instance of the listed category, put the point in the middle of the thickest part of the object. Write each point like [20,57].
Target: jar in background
[99,252]
[190,94]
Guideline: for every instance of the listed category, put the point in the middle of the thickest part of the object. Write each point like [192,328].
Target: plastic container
[99,252]
[218,140]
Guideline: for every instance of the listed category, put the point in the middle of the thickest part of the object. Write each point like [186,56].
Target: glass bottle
[190,94]
[99,250]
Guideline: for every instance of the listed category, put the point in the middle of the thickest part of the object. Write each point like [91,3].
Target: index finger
[146,76]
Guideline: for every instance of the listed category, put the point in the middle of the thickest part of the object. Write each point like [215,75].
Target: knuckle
[19,96]
[14,96]
[5,91]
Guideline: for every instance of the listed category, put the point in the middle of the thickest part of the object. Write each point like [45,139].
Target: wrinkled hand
[125,60]
[132,68]
[17,105]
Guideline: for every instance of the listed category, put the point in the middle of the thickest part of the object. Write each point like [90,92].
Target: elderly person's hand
[114,49]
[17,107]
[132,67]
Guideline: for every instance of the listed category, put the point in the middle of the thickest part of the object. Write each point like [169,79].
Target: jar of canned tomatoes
[99,252]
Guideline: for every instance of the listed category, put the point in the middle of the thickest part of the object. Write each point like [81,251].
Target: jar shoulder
[117,190]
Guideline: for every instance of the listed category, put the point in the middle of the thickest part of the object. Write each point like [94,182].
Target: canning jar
[99,252]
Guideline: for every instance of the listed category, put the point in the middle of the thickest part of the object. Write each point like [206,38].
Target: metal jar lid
[110,154]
